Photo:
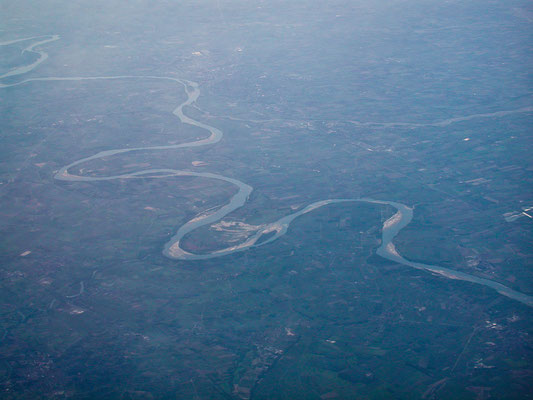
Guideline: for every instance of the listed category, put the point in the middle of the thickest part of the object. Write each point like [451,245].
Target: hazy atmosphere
[222,199]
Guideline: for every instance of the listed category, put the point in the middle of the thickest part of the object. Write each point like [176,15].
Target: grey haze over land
[403,126]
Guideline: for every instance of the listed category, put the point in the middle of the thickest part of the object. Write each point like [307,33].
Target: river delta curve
[173,249]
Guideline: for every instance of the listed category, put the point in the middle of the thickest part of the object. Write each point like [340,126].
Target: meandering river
[173,249]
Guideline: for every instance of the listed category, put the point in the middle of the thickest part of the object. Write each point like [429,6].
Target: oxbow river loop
[173,249]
